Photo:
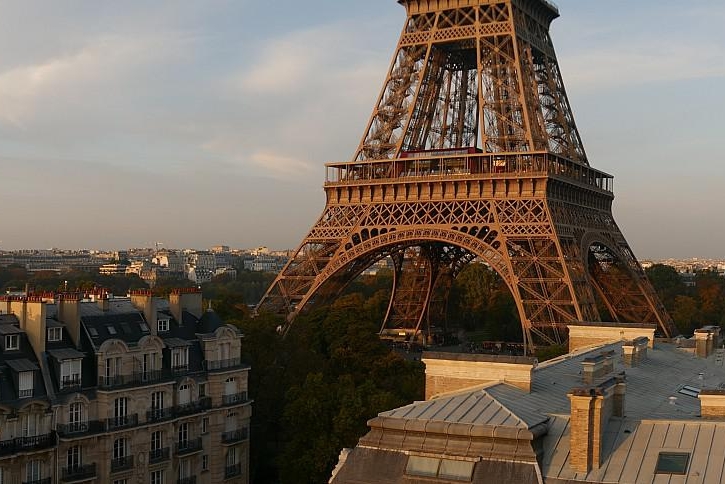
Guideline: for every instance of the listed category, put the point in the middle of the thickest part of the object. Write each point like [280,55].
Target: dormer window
[55,334]
[12,342]
[70,373]
[180,358]
[25,384]
[163,325]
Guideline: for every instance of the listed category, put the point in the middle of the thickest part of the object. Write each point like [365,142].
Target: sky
[196,123]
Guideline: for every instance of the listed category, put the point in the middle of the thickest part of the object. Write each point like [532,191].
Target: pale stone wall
[589,335]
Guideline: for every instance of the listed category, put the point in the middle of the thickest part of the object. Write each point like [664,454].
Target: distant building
[618,408]
[113,269]
[265,263]
[220,249]
[125,390]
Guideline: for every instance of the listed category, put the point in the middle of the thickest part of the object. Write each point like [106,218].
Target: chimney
[185,299]
[703,342]
[635,351]
[69,313]
[35,313]
[712,404]
[591,409]
[144,301]
[596,367]
[449,372]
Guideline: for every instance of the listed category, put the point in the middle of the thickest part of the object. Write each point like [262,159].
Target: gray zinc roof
[22,364]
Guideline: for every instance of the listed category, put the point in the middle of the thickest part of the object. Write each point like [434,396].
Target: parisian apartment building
[121,390]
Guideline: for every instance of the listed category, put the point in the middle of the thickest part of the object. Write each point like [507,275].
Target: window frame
[55,334]
[12,342]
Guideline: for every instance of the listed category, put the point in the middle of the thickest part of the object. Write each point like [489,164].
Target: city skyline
[194,123]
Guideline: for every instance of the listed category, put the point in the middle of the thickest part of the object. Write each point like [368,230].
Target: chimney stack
[185,299]
[144,301]
[69,313]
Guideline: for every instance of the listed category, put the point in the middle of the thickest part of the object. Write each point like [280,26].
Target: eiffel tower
[472,153]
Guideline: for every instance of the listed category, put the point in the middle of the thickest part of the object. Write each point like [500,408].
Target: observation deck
[444,166]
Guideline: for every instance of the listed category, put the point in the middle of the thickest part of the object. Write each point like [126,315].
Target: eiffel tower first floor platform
[542,222]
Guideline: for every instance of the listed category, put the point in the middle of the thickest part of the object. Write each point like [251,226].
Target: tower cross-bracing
[472,153]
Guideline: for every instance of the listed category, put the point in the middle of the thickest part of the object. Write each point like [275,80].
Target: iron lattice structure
[472,152]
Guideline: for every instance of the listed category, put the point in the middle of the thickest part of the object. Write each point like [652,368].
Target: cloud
[29,91]
[642,63]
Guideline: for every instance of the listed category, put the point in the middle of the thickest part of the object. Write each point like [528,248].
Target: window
[149,365]
[113,367]
[120,481]
[157,440]
[180,358]
[144,327]
[157,402]
[157,477]
[12,342]
[75,417]
[224,350]
[120,411]
[70,373]
[73,457]
[230,386]
[183,433]
[94,333]
[119,448]
[184,468]
[689,391]
[202,390]
[204,425]
[452,470]
[230,423]
[32,471]
[29,424]
[204,463]
[55,334]
[111,329]
[672,463]
[25,384]
[184,394]
[162,325]
[231,457]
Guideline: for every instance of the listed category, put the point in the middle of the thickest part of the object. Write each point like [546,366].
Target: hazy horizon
[199,123]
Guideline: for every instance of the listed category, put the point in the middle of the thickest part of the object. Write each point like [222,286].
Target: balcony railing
[180,369]
[70,383]
[188,446]
[212,365]
[76,473]
[133,379]
[186,480]
[25,393]
[126,421]
[234,436]
[234,398]
[25,444]
[232,470]
[79,428]
[122,463]
[45,480]
[159,455]
[159,414]
[204,403]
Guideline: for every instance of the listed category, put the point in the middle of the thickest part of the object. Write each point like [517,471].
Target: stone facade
[124,390]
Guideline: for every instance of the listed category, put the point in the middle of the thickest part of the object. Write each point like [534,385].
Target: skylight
[93,332]
[111,329]
[689,391]
[672,463]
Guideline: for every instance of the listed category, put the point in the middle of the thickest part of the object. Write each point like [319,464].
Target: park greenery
[315,389]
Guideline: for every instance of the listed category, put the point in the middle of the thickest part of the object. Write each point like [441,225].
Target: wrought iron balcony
[122,463]
[77,473]
[159,414]
[79,428]
[188,446]
[186,480]
[159,455]
[234,398]
[133,379]
[232,471]
[213,365]
[180,369]
[45,480]
[26,444]
[70,383]
[204,403]
[234,436]
[126,421]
